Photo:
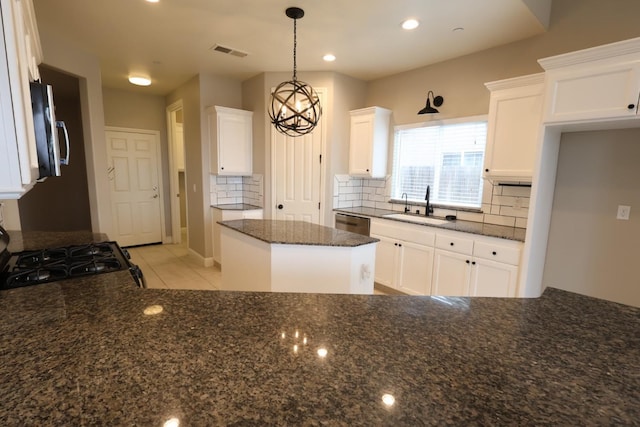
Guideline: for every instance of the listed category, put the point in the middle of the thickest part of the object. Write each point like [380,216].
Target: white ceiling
[170,40]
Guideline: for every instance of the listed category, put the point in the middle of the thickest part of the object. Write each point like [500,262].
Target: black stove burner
[47,265]
[36,275]
[94,266]
[35,258]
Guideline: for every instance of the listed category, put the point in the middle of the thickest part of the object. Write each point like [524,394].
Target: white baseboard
[206,262]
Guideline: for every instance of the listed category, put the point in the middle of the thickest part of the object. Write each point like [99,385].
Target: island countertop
[83,352]
[296,233]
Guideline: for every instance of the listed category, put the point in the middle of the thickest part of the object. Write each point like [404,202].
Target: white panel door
[133,160]
[297,176]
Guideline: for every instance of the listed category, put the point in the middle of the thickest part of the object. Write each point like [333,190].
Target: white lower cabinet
[404,256]
[422,260]
[228,215]
[477,266]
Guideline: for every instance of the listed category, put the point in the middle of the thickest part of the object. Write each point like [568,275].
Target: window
[446,157]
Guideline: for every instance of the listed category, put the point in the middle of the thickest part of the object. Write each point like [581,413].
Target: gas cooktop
[48,265]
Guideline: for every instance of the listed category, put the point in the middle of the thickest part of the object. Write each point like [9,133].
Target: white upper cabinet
[597,84]
[369,142]
[20,54]
[515,118]
[230,141]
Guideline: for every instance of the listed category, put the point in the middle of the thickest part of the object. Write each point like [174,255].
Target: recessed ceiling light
[140,80]
[153,1]
[410,24]
[329,57]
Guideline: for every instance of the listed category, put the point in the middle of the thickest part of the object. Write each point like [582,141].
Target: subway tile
[470,216]
[517,191]
[368,204]
[495,210]
[521,222]
[500,220]
[509,211]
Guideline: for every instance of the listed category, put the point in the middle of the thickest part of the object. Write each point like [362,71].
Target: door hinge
[318,205]
[320,158]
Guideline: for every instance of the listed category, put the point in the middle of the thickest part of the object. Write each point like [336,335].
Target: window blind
[448,158]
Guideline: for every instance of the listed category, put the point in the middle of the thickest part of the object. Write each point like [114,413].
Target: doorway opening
[178,172]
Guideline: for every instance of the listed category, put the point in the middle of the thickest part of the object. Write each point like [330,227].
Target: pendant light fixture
[295,107]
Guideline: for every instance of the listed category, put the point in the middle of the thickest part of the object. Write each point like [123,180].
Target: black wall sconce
[437,101]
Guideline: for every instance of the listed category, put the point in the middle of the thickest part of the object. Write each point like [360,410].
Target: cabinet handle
[395,244]
[467,261]
[400,244]
[280,206]
[473,263]
[494,253]
[486,170]
[631,106]
[451,243]
[367,170]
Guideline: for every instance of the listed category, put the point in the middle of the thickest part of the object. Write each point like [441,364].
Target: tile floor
[171,267]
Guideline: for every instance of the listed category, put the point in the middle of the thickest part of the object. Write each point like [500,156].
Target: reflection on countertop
[501,231]
[101,351]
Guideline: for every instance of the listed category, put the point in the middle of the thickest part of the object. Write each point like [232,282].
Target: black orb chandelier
[295,106]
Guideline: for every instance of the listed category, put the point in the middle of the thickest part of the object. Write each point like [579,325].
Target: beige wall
[575,24]
[589,251]
[197,94]
[62,55]
[141,111]
[189,93]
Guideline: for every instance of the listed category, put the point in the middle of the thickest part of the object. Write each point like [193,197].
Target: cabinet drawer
[498,253]
[454,243]
[401,231]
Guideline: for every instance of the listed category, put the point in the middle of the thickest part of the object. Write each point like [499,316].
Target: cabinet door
[493,279]
[234,145]
[416,266]
[361,145]
[593,93]
[512,134]
[451,274]
[386,253]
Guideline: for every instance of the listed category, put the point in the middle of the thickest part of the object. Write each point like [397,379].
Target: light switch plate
[623,212]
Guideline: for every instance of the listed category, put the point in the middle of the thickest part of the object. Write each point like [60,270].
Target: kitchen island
[295,256]
[100,351]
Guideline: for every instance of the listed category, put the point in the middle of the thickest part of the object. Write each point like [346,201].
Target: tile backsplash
[226,190]
[502,205]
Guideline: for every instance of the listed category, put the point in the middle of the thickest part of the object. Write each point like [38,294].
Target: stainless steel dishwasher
[354,224]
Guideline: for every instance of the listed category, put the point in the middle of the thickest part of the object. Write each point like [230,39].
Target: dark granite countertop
[296,233]
[236,207]
[83,352]
[501,231]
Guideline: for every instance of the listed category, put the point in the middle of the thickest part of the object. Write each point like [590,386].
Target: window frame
[443,122]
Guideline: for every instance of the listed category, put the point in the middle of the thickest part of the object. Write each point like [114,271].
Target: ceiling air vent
[228,51]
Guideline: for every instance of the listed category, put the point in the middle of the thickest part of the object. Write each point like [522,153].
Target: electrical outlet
[623,212]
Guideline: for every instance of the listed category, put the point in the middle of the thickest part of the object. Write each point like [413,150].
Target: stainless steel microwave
[46,131]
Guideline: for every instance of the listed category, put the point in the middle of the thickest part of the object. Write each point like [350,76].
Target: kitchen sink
[417,219]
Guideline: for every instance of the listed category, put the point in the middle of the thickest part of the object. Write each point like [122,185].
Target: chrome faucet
[406,202]
[428,209]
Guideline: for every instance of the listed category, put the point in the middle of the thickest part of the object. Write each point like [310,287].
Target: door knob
[280,206]
[155,196]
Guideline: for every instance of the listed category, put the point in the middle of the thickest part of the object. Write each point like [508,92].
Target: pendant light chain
[295,45]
